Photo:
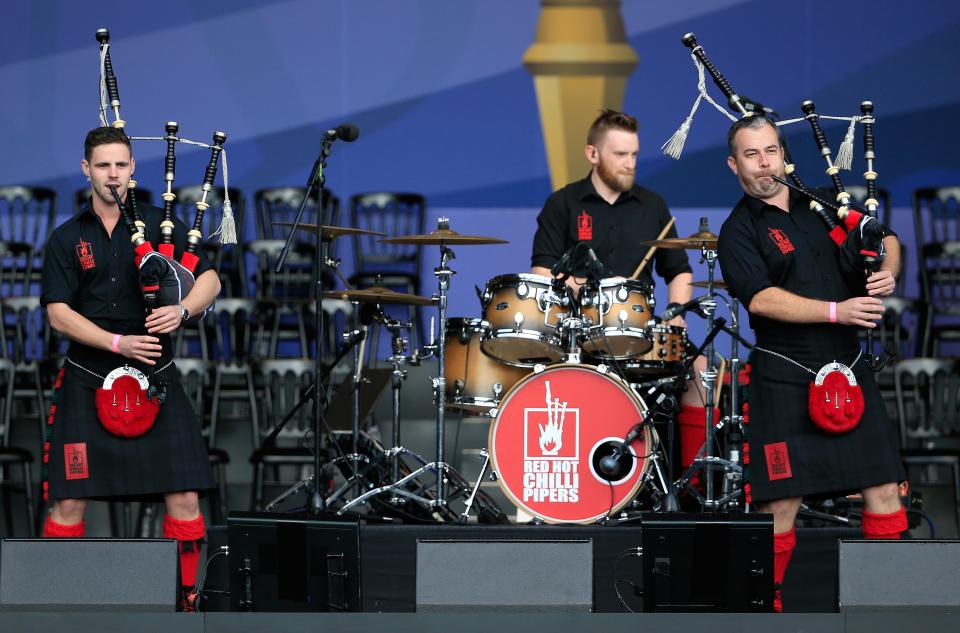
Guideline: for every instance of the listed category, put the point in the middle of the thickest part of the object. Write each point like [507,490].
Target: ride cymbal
[378,294]
[444,236]
[329,232]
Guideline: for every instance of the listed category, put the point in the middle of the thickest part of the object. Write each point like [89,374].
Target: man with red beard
[806,306]
[611,214]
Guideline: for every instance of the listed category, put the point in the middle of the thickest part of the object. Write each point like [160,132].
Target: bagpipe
[164,280]
[856,231]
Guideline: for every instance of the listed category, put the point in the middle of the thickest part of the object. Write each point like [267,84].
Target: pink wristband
[115,345]
[833,312]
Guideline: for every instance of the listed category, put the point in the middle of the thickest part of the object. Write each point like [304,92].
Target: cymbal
[719,284]
[444,236]
[696,242]
[329,232]
[378,294]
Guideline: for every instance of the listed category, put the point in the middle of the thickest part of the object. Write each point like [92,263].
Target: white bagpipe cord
[674,145]
[844,158]
[103,85]
[228,226]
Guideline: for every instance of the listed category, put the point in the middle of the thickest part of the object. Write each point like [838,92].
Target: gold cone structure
[580,61]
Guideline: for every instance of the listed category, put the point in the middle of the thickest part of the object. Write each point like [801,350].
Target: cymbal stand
[733,478]
[356,480]
[440,468]
[706,461]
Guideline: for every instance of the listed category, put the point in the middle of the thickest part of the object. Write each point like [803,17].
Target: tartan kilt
[85,461]
[789,456]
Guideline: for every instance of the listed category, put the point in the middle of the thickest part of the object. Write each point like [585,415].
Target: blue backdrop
[445,106]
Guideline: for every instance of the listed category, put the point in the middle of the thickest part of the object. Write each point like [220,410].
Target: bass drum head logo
[549,435]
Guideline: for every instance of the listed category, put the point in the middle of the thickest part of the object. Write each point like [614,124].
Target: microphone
[610,464]
[676,309]
[347,132]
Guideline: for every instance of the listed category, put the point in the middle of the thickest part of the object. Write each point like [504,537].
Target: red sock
[691,425]
[884,526]
[783,545]
[52,529]
[189,534]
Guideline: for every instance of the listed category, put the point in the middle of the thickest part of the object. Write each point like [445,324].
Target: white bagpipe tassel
[228,226]
[674,145]
[844,158]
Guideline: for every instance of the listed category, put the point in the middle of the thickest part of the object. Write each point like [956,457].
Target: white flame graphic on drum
[551,434]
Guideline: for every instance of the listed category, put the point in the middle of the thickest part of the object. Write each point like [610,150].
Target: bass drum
[550,434]
[474,381]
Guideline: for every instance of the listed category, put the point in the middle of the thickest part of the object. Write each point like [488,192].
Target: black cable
[625,554]
[198,591]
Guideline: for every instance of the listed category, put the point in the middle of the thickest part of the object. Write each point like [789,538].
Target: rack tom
[474,381]
[616,313]
[521,316]
[666,356]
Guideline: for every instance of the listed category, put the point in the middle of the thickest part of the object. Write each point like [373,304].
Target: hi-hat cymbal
[696,242]
[378,294]
[329,232]
[444,236]
[719,284]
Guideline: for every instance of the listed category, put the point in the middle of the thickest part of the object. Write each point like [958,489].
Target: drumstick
[653,249]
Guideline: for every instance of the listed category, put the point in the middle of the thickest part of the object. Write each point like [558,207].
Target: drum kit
[579,387]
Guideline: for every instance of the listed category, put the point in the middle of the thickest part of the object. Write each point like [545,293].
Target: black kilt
[791,457]
[170,457]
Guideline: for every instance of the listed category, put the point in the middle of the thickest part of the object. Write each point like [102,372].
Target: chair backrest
[7,374]
[196,378]
[237,329]
[295,279]
[395,214]
[185,209]
[892,331]
[927,391]
[281,384]
[936,215]
[27,214]
[82,196]
[336,319]
[25,333]
[280,204]
[885,212]
[940,276]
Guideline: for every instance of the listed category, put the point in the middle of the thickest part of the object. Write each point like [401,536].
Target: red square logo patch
[584,226]
[778,461]
[85,255]
[781,240]
[75,461]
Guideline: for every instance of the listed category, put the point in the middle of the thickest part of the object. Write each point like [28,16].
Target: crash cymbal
[329,232]
[695,242]
[719,284]
[378,294]
[444,236]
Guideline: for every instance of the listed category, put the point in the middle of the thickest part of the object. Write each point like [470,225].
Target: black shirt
[96,274]
[615,231]
[762,246]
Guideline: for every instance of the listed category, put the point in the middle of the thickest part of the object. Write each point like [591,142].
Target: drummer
[613,215]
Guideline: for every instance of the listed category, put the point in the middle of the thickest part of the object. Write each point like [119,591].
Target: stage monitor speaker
[707,562]
[90,574]
[294,562]
[899,575]
[505,575]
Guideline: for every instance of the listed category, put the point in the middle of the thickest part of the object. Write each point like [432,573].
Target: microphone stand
[316,181]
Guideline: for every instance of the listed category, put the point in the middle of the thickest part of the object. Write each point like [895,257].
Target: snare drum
[616,312]
[521,314]
[550,434]
[474,381]
[666,356]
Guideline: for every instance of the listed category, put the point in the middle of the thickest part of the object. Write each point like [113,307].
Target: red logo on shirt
[778,461]
[75,461]
[85,255]
[781,240]
[584,226]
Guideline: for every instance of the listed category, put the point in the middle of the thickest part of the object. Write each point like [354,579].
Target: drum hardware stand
[351,340]
[733,478]
[440,468]
[465,515]
[316,181]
